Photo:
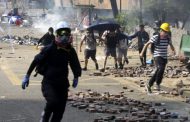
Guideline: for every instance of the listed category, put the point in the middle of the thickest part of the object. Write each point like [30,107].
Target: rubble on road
[26,40]
[170,72]
[119,108]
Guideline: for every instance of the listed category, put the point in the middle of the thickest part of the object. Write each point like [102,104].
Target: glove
[25,81]
[75,82]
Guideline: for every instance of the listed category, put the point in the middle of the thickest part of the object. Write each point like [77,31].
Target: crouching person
[55,83]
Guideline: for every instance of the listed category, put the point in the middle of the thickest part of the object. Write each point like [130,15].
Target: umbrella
[104,26]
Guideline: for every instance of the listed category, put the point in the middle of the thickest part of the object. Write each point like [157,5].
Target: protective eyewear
[62,33]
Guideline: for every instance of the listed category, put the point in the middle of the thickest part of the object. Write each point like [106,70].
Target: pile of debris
[119,108]
[170,72]
[26,40]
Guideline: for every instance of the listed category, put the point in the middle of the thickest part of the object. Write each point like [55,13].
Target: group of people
[58,53]
[116,46]
[112,43]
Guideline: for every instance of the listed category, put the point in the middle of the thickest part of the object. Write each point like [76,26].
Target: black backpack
[41,68]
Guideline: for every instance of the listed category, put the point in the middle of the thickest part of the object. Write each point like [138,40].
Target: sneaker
[120,66]
[148,88]
[84,68]
[96,66]
[127,61]
[157,87]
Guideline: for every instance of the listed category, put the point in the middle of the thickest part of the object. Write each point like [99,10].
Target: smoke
[54,16]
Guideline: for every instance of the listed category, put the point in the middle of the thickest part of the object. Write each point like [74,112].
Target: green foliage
[128,20]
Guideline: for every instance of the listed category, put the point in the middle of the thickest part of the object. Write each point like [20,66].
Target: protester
[110,39]
[161,42]
[55,83]
[122,48]
[90,51]
[143,37]
[46,39]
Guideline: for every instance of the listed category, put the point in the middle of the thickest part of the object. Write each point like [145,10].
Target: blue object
[149,61]
[75,82]
[25,81]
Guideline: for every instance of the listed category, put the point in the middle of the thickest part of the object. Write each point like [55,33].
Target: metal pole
[89,13]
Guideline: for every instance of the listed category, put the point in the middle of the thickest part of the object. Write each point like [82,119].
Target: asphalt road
[17,105]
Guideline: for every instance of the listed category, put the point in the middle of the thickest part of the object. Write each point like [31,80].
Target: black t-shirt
[111,41]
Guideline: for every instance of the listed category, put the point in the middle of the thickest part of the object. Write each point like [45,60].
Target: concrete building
[105,4]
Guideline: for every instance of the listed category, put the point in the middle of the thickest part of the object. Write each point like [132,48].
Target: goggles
[62,33]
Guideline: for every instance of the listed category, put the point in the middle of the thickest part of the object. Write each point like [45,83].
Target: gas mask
[63,38]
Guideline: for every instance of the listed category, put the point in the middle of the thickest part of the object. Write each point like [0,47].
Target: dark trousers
[143,59]
[160,67]
[56,98]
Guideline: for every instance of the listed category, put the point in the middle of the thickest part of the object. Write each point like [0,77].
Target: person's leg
[153,78]
[125,57]
[113,54]
[46,114]
[144,58]
[119,58]
[105,61]
[141,59]
[48,93]
[86,55]
[93,57]
[59,107]
[161,67]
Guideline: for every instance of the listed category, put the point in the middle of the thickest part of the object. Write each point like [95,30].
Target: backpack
[41,68]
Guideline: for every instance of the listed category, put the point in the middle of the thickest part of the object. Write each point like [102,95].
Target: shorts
[110,51]
[90,54]
[121,53]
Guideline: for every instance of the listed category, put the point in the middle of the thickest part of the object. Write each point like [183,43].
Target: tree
[114,8]
[163,10]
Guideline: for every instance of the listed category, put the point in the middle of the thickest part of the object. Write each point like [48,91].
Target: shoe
[127,61]
[148,88]
[84,68]
[120,66]
[96,66]
[157,87]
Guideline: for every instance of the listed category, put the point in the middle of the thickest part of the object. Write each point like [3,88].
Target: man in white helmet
[56,58]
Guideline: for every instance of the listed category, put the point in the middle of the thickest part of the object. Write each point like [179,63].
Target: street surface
[17,105]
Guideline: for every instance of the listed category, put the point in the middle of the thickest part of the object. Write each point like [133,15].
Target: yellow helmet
[165,27]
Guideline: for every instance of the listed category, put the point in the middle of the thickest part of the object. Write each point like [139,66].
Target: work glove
[25,81]
[75,82]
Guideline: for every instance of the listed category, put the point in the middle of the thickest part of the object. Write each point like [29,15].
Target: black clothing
[160,63]
[57,60]
[46,39]
[90,54]
[143,37]
[111,41]
[55,81]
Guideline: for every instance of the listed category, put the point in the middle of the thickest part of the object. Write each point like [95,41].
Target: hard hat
[62,25]
[165,27]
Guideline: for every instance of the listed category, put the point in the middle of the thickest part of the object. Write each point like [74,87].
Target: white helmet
[62,25]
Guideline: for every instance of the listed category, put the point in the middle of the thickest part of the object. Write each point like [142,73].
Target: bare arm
[172,48]
[144,48]
[81,43]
